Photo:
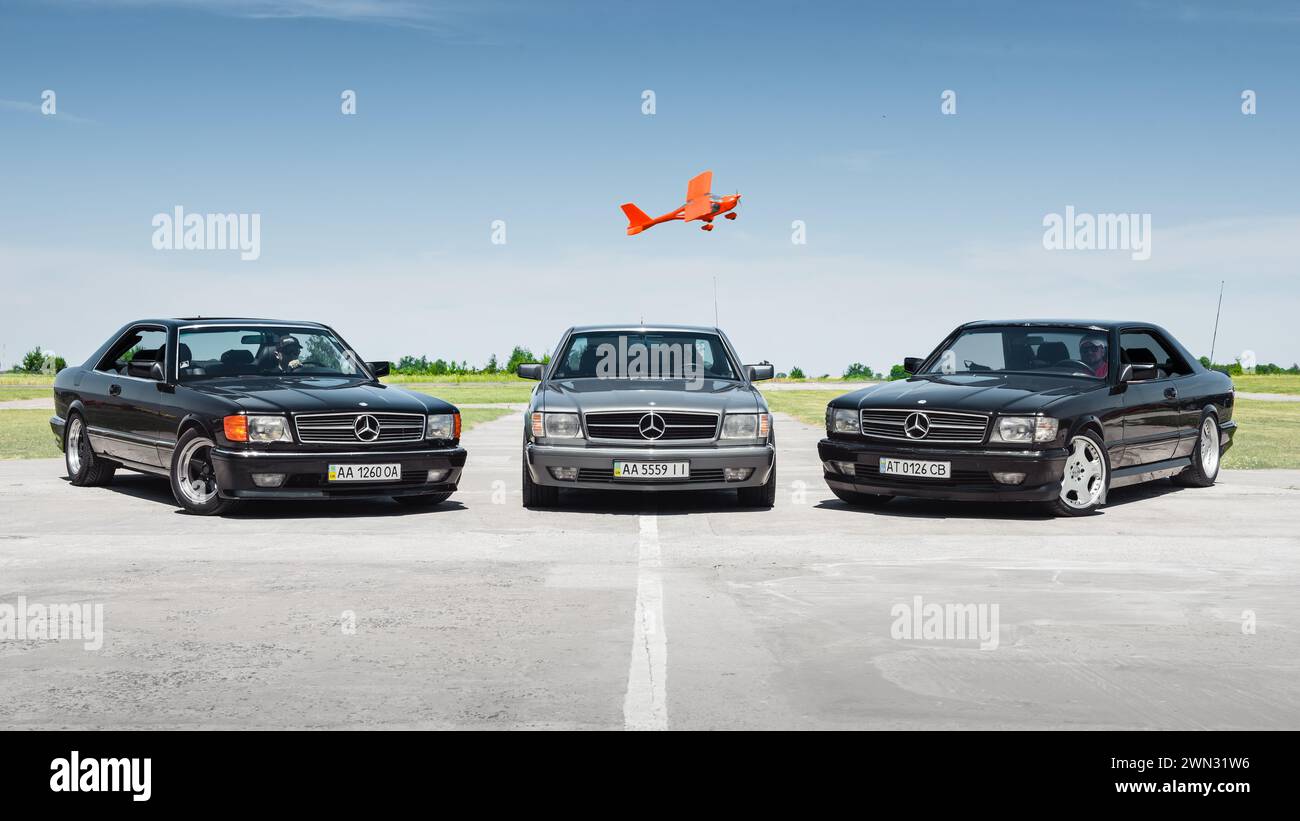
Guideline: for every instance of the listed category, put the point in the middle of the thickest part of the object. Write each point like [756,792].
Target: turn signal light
[538,430]
[236,428]
[456,426]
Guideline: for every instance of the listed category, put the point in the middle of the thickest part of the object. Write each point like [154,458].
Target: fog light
[736,474]
[268,479]
[847,468]
[565,474]
[437,475]
[1009,478]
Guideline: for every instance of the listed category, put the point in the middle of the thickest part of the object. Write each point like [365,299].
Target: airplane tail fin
[637,220]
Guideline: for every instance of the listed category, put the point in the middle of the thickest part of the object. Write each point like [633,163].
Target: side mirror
[530,370]
[912,364]
[379,368]
[760,372]
[156,372]
[1136,372]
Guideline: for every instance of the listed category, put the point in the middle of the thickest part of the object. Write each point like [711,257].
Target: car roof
[177,322]
[1104,324]
[644,326]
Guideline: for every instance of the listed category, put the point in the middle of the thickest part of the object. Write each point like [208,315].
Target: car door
[125,424]
[1152,415]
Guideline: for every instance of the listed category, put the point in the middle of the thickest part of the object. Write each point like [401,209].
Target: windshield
[1061,351]
[636,355]
[260,350]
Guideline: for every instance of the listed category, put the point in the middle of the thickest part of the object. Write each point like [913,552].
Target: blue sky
[530,113]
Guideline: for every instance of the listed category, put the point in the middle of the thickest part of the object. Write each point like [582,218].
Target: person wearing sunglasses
[1092,352]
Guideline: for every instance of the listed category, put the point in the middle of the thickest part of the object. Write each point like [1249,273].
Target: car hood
[1007,392]
[587,395]
[317,393]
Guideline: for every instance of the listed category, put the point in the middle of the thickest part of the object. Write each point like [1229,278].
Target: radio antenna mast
[715,300]
[1214,339]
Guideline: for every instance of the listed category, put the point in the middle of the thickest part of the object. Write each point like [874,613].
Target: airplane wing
[696,208]
[699,187]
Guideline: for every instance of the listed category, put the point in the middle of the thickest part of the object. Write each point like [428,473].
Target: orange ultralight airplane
[700,205]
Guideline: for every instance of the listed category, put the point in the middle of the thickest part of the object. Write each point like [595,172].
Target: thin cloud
[430,16]
[32,108]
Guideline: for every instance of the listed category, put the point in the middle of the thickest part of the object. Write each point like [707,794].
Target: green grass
[454,379]
[1274,383]
[808,407]
[26,379]
[12,392]
[477,416]
[475,394]
[1268,435]
[26,434]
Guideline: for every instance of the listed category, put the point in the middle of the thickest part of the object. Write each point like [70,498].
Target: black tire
[536,495]
[861,499]
[762,496]
[195,447]
[1083,506]
[85,469]
[1203,471]
[424,500]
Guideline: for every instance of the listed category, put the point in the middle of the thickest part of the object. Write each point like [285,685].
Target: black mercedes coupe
[236,409]
[1055,411]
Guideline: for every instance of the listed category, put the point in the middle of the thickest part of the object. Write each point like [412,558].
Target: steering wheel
[1072,362]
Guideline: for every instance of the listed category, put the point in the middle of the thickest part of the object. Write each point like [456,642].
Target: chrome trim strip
[327,454]
[132,438]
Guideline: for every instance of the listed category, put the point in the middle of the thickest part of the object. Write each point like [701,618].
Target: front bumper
[307,473]
[596,466]
[972,472]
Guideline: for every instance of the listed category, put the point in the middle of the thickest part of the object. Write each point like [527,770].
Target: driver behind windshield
[1092,352]
[284,356]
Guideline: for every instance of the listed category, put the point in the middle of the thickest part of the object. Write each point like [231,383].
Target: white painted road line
[646,705]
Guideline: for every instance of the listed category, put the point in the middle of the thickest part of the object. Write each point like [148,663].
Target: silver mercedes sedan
[647,408]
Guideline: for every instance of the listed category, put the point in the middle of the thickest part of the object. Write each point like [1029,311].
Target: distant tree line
[421,366]
[1235,369]
[34,362]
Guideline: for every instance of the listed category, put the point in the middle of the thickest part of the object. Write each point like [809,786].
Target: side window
[1145,348]
[136,353]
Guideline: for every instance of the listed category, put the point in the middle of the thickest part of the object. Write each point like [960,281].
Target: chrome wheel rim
[72,448]
[195,477]
[1085,474]
[1209,447]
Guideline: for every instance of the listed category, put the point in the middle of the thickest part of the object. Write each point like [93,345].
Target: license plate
[365,473]
[652,470]
[916,467]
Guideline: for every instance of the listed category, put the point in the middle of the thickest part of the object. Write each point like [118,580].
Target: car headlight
[268,429]
[842,420]
[443,426]
[1021,430]
[746,426]
[557,425]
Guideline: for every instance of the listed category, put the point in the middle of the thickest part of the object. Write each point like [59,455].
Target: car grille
[943,426]
[960,479]
[607,475]
[340,428]
[678,426]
